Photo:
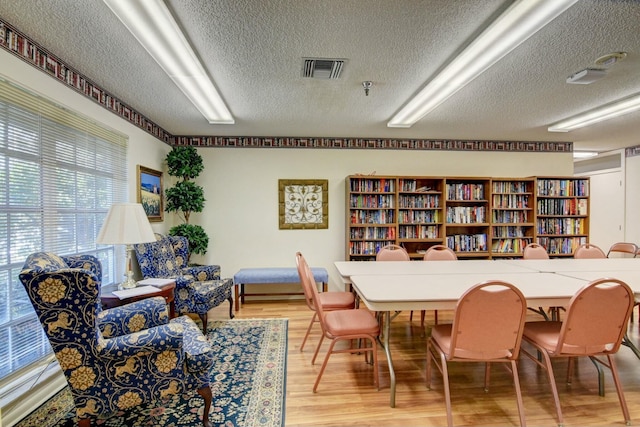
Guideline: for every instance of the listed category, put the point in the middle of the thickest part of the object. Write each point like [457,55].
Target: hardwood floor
[347,397]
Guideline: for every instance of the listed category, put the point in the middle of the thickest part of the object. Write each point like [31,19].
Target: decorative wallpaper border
[35,55]
[20,45]
[373,143]
[632,151]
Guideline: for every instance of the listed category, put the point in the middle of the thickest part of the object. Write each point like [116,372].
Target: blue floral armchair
[198,288]
[119,358]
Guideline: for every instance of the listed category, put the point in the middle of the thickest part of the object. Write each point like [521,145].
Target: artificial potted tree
[186,197]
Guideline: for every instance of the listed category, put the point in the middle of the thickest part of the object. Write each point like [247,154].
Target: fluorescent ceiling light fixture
[605,112]
[153,26]
[519,22]
[584,154]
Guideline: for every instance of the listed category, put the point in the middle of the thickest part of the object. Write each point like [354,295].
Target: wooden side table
[109,300]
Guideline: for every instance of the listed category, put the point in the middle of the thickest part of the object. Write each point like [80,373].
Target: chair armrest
[197,348]
[150,341]
[203,272]
[133,317]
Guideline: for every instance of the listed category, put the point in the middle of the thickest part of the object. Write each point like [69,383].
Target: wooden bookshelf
[562,214]
[478,217]
[371,215]
[420,214]
[512,215]
[467,216]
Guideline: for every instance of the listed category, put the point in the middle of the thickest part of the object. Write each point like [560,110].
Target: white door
[607,207]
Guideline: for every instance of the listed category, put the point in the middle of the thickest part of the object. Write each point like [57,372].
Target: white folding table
[392,286]
[391,293]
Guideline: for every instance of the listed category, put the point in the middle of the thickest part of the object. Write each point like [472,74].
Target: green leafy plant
[186,196]
[198,239]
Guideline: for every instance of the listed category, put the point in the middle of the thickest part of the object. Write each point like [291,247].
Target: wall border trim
[373,143]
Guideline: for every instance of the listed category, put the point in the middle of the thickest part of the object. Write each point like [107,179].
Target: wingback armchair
[119,358]
[198,288]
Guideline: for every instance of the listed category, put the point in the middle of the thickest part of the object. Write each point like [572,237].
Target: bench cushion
[277,275]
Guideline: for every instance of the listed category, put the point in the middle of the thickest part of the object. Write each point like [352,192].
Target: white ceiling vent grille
[322,68]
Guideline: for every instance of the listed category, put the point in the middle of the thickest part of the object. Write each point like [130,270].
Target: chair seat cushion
[544,333]
[211,292]
[337,300]
[441,334]
[349,322]
[198,350]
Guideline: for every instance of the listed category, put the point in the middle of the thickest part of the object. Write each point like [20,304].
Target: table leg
[387,350]
[627,341]
[172,309]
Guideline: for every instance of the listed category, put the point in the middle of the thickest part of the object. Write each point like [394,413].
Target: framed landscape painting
[150,193]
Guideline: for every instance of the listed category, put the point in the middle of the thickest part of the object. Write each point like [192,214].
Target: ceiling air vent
[322,68]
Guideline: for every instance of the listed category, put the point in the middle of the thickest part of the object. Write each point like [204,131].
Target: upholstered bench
[259,276]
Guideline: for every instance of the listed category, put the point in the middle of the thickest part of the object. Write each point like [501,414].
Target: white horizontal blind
[60,173]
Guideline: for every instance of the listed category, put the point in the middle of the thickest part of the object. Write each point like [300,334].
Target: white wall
[241,189]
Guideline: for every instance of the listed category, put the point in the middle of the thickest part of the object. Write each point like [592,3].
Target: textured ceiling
[253,49]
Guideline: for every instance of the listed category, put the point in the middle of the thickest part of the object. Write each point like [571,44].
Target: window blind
[60,173]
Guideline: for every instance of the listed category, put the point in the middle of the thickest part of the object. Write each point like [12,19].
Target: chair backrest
[158,259]
[64,292]
[597,318]
[301,264]
[180,246]
[392,253]
[308,283]
[590,251]
[440,253]
[488,322]
[534,251]
[622,248]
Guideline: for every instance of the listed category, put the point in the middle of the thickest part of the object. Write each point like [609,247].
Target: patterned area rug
[248,382]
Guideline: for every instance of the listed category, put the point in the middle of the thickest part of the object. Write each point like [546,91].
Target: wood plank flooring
[347,397]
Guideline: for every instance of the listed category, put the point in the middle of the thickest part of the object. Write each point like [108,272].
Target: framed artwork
[303,203]
[150,192]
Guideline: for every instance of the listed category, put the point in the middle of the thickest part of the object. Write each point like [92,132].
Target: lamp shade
[126,224]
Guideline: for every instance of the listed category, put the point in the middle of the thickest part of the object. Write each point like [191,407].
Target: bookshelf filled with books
[371,215]
[420,214]
[477,217]
[562,208]
[512,213]
[467,216]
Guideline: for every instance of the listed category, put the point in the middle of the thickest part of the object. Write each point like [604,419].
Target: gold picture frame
[150,193]
[303,204]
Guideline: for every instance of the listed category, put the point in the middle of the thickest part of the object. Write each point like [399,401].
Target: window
[60,173]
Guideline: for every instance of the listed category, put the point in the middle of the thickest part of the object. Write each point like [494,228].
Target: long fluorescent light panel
[519,22]
[152,24]
[605,112]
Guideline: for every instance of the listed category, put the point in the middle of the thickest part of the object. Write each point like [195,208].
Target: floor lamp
[126,224]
